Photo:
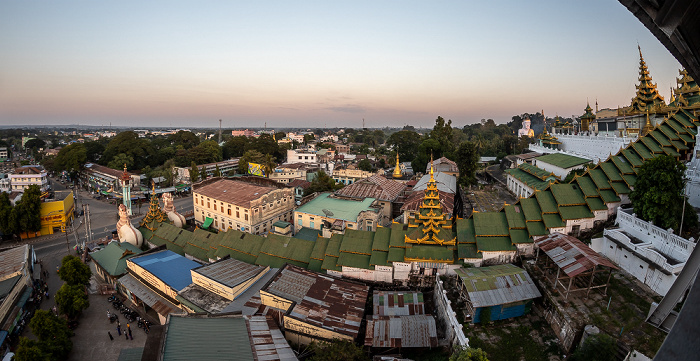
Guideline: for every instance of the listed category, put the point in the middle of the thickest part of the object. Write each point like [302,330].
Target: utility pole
[219,131]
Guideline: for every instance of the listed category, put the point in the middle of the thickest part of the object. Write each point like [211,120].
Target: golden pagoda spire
[397,170]
[431,168]
[647,127]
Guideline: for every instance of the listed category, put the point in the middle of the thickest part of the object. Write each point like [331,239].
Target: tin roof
[113,257]
[562,160]
[233,191]
[145,294]
[320,300]
[445,182]
[231,272]
[268,341]
[338,208]
[397,303]
[168,266]
[570,254]
[207,338]
[415,199]
[376,186]
[443,164]
[401,331]
[12,261]
[497,285]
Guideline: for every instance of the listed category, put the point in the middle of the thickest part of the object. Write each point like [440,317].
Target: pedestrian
[125,335]
[119,330]
[128,327]
[111,338]
[131,337]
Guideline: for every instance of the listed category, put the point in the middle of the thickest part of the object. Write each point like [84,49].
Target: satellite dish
[327,212]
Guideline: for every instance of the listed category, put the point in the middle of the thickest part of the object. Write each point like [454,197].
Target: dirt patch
[489,198]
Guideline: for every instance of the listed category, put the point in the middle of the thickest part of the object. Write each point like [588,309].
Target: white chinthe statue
[126,231]
[169,209]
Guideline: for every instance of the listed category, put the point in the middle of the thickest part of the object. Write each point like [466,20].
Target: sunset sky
[320,63]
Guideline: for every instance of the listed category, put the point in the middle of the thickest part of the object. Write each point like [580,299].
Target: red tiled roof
[443,164]
[233,191]
[376,186]
[299,183]
[102,169]
[414,200]
[570,254]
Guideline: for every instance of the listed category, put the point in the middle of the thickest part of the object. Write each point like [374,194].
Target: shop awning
[145,294]
[3,336]
[25,296]
[207,222]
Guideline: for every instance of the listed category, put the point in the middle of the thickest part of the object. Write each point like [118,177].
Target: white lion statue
[126,231]
[169,209]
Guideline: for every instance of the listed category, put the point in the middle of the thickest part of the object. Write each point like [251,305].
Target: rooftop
[401,331]
[444,182]
[570,254]
[12,261]
[376,186]
[168,266]
[562,160]
[230,272]
[320,300]
[443,164]
[233,191]
[397,303]
[338,208]
[113,257]
[497,285]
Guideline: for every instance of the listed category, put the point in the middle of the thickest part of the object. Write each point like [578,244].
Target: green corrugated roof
[531,209]
[562,160]
[536,229]
[379,258]
[518,236]
[290,248]
[668,132]
[575,212]
[599,178]
[632,157]
[608,196]
[660,137]
[333,247]
[354,233]
[465,231]
[276,262]
[341,208]
[515,216]
[356,245]
[319,250]
[620,188]
[539,173]
[315,265]
[567,194]
[630,179]
[670,151]
[330,263]
[189,338]
[679,145]
[478,279]
[398,236]
[642,150]
[687,138]
[596,204]
[651,144]
[468,251]
[381,239]
[490,224]
[494,244]
[622,164]
[243,257]
[546,202]
[527,178]
[250,243]
[430,253]
[353,260]
[611,171]
[552,220]
[113,257]
[587,186]
[308,234]
[396,254]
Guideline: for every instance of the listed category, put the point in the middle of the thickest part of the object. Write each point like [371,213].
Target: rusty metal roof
[401,331]
[497,285]
[12,261]
[415,199]
[267,340]
[376,186]
[230,272]
[233,191]
[570,254]
[320,300]
[398,303]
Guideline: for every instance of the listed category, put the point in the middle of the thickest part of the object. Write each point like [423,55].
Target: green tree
[53,334]
[442,133]
[406,142]
[269,164]
[467,161]
[468,354]
[600,347]
[35,144]
[250,156]
[71,158]
[202,173]
[74,272]
[184,138]
[72,300]
[5,211]
[217,171]
[194,173]
[206,152]
[322,182]
[235,147]
[121,160]
[658,194]
[93,150]
[337,350]
[29,209]
[365,165]
[129,143]
[30,350]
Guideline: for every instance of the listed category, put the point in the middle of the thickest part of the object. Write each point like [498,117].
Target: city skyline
[316,64]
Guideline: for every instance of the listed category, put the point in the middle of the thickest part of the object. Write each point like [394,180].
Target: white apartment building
[28,175]
[301,156]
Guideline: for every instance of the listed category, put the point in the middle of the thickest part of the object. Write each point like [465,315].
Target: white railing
[645,250]
[453,328]
[662,239]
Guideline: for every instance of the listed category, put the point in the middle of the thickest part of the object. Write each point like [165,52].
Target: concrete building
[385,191]
[524,180]
[18,270]
[100,178]
[287,173]
[498,292]
[301,156]
[560,164]
[226,167]
[28,175]
[110,262]
[244,206]
[242,133]
[316,307]
[350,175]
[329,213]
[4,154]
[57,215]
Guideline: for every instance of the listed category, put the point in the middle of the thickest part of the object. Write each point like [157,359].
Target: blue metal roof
[169,266]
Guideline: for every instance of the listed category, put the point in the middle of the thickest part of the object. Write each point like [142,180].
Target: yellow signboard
[256,169]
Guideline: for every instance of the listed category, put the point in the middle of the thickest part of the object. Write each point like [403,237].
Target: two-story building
[28,175]
[350,175]
[236,204]
[287,173]
[100,178]
[226,167]
[301,156]
[328,212]
[385,191]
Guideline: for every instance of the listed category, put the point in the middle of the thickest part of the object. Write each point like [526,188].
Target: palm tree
[269,164]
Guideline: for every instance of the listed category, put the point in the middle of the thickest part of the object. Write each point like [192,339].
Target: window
[229,211]
[196,201]
[208,205]
[214,206]
[246,217]
[311,224]
[300,222]
[238,214]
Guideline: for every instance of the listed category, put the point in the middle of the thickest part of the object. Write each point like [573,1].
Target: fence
[447,317]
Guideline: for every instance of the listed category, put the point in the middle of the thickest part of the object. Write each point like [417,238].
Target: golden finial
[397,170]
[125,167]
[431,166]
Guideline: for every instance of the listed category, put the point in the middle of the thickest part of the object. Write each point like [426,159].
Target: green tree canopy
[365,165]
[194,173]
[29,209]
[184,138]
[93,150]
[121,160]
[468,354]
[129,143]
[35,144]
[72,300]
[206,152]
[74,272]
[53,334]
[235,147]
[658,194]
[250,156]
[337,350]
[217,171]
[30,350]
[406,142]
[322,182]
[467,161]
[71,158]
[5,211]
